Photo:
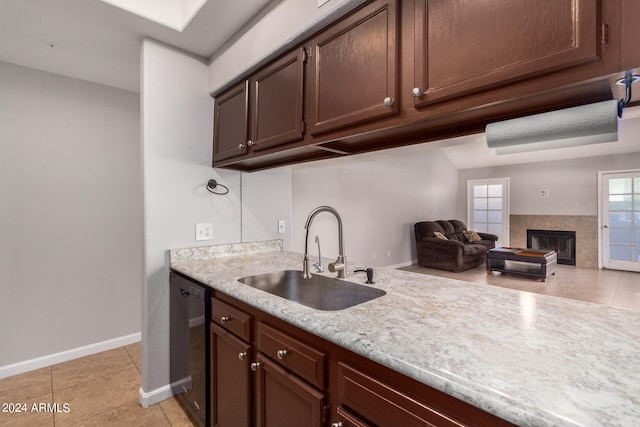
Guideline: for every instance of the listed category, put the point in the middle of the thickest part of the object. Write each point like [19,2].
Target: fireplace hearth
[563,242]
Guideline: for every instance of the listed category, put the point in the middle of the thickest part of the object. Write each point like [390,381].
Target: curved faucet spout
[340,264]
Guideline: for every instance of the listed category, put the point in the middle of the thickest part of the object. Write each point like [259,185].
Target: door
[620,220]
[504,40]
[353,69]
[488,208]
[230,380]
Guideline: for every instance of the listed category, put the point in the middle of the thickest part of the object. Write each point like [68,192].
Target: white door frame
[506,211]
[601,220]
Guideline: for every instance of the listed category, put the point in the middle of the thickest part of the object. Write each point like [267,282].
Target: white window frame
[506,211]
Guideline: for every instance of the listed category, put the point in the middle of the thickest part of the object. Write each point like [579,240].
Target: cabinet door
[384,405]
[353,69]
[464,46]
[231,123]
[630,34]
[277,96]
[285,400]
[230,380]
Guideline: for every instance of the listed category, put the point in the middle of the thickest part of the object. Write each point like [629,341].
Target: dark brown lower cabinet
[266,372]
[285,400]
[383,405]
[230,380]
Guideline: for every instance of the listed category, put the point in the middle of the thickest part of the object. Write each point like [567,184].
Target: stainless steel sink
[319,292]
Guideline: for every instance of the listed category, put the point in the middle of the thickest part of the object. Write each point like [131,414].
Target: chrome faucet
[340,265]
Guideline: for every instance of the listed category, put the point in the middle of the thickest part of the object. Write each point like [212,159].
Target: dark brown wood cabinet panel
[630,34]
[348,419]
[231,123]
[230,380]
[384,405]
[285,400]
[466,46]
[230,318]
[353,69]
[300,358]
[277,102]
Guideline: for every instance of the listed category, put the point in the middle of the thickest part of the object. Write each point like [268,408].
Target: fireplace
[563,242]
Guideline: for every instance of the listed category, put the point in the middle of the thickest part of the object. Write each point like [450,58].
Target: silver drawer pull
[256,365]
[225,319]
[388,101]
[282,354]
[242,355]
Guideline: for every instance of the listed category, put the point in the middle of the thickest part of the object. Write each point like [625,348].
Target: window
[488,207]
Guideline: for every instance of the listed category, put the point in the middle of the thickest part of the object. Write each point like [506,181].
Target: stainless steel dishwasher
[189,345]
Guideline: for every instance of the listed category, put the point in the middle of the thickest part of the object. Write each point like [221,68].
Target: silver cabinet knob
[417,92]
[241,146]
[242,355]
[282,354]
[388,101]
[250,143]
[338,424]
[225,319]
[256,365]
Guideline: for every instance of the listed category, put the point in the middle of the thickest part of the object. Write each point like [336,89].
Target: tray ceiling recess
[173,14]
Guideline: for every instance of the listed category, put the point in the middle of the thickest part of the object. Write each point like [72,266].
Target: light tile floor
[97,390]
[609,287]
[102,389]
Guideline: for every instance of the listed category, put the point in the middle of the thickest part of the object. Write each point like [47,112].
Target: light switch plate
[204,231]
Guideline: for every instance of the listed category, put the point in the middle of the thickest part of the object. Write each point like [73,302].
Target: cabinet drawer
[305,361]
[230,318]
[384,405]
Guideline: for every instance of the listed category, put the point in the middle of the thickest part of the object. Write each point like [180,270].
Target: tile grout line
[53,397]
[166,417]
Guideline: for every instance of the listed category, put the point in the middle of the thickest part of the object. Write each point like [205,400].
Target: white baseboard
[154,396]
[162,393]
[402,264]
[65,356]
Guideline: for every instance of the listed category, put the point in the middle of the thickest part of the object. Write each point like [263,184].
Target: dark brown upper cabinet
[466,46]
[353,69]
[277,102]
[263,111]
[630,35]
[231,123]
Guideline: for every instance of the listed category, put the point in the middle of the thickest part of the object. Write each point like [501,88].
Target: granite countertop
[534,360]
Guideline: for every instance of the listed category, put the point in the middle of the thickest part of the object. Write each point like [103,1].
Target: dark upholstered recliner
[454,254]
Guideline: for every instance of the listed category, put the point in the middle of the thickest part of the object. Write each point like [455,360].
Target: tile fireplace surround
[586,228]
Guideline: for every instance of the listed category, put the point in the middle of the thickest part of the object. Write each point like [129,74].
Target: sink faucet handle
[340,266]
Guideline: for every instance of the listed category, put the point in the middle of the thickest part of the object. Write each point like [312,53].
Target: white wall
[288,23]
[572,184]
[266,199]
[379,197]
[70,214]
[177,150]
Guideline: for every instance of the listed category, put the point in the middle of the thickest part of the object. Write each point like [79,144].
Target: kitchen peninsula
[529,359]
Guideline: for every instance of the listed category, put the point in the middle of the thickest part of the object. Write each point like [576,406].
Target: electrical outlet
[281,226]
[204,231]
[544,194]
